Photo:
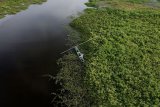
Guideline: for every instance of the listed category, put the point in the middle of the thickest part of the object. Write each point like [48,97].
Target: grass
[122,63]
[124,4]
[14,6]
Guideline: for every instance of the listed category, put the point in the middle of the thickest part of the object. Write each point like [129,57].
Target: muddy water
[30,43]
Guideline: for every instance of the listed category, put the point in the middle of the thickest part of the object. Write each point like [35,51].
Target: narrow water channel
[30,44]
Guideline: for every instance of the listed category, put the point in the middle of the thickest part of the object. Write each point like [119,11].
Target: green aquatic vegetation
[124,4]
[123,62]
[94,2]
[14,6]
[70,77]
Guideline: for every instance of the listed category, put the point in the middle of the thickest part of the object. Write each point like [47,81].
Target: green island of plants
[122,62]
[14,6]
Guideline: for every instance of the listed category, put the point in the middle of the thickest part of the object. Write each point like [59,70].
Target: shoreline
[13,7]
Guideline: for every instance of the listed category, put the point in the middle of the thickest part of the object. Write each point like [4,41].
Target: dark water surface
[30,43]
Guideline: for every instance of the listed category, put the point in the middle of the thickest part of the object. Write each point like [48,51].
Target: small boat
[80,55]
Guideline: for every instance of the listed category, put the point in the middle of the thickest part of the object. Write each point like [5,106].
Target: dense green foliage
[14,6]
[122,62]
[94,2]
[125,4]
[132,1]
[73,93]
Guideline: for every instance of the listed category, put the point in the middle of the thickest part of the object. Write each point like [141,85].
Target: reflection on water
[30,43]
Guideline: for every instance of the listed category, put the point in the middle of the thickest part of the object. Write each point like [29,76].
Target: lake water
[30,44]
